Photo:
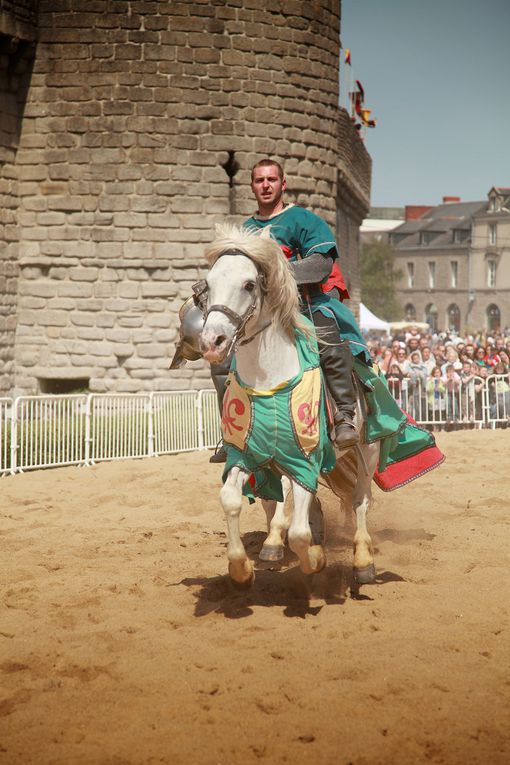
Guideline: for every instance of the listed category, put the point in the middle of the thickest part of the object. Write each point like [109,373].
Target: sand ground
[122,642]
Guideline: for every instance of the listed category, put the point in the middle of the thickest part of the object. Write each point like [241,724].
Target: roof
[442,220]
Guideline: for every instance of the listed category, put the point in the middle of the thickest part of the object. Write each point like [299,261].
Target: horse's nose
[212,345]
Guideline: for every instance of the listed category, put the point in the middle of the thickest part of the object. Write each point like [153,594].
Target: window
[453,317]
[493,317]
[491,273]
[493,233]
[431,316]
[460,235]
[494,204]
[454,272]
[426,237]
[410,312]
[410,274]
[432,274]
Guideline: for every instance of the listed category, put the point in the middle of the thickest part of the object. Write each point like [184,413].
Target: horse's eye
[249,286]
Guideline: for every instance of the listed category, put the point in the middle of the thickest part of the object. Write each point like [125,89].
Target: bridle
[201,289]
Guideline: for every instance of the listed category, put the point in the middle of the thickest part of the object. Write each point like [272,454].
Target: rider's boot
[219,373]
[337,364]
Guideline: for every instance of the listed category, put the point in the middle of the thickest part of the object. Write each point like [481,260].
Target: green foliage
[378,279]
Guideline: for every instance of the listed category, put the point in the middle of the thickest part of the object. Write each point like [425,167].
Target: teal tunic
[298,232]
[302,232]
[285,430]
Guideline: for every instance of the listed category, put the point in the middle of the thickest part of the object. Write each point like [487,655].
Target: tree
[378,278]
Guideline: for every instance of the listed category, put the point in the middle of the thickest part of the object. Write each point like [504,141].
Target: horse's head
[232,296]
[249,283]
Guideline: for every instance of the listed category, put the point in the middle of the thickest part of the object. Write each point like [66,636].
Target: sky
[436,74]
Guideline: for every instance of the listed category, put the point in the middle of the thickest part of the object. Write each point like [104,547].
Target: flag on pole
[348,56]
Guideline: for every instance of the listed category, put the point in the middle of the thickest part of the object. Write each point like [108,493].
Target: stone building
[455,263]
[129,129]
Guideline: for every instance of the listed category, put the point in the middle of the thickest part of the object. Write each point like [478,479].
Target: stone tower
[131,129]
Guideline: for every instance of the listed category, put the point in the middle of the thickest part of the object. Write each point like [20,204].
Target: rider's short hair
[268,163]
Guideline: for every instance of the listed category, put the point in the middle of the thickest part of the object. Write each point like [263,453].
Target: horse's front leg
[240,568]
[278,517]
[311,557]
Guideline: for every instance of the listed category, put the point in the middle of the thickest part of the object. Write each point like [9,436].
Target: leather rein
[201,289]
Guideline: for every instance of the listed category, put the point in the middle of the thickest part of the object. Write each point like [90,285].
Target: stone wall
[142,122]
[17,32]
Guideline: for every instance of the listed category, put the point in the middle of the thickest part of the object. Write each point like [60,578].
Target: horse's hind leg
[240,568]
[364,568]
[278,521]
[311,557]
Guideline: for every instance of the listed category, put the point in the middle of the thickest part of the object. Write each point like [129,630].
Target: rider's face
[268,187]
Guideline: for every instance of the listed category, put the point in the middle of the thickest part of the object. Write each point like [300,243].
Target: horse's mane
[282,299]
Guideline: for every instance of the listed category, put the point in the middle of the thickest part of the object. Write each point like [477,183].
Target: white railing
[440,403]
[118,427]
[46,431]
[5,434]
[498,399]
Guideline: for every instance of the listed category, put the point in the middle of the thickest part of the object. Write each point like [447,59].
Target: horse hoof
[365,575]
[241,576]
[317,559]
[271,552]
[243,586]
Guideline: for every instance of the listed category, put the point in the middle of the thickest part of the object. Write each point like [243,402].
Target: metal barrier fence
[479,401]
[46,431]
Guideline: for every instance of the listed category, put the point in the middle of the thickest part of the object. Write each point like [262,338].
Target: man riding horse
[310,246]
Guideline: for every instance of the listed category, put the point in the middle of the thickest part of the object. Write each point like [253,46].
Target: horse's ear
[265,233]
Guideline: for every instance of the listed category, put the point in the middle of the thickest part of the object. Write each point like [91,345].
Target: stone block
[118,336]
[128,290]
[83,274]
[105,320]
[165,335]
[82,319]
[105,289]
[142,374]
[74,290]
[123,349]
[90,333]
[128,386]
[130,321]
[53,318]
[142,336]
[151,350]
[156,320]
[161,289]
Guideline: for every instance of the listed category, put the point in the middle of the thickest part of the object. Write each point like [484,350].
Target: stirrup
[220,454]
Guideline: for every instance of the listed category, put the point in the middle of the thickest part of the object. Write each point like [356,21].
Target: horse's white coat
[268,360]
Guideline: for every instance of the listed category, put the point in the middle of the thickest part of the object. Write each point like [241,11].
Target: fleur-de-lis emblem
[308,414]
[232,409]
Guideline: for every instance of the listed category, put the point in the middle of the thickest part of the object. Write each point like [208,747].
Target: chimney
[449,200]
[413,212]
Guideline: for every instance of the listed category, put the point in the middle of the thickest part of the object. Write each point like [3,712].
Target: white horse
[251,303]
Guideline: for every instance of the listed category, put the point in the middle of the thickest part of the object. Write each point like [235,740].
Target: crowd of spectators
[447,378]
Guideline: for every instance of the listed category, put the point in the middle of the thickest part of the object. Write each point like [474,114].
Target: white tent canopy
[368,320]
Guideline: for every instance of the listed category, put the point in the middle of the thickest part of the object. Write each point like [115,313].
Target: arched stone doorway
[410,312]
[432,316]
[453,317]
[493,317]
